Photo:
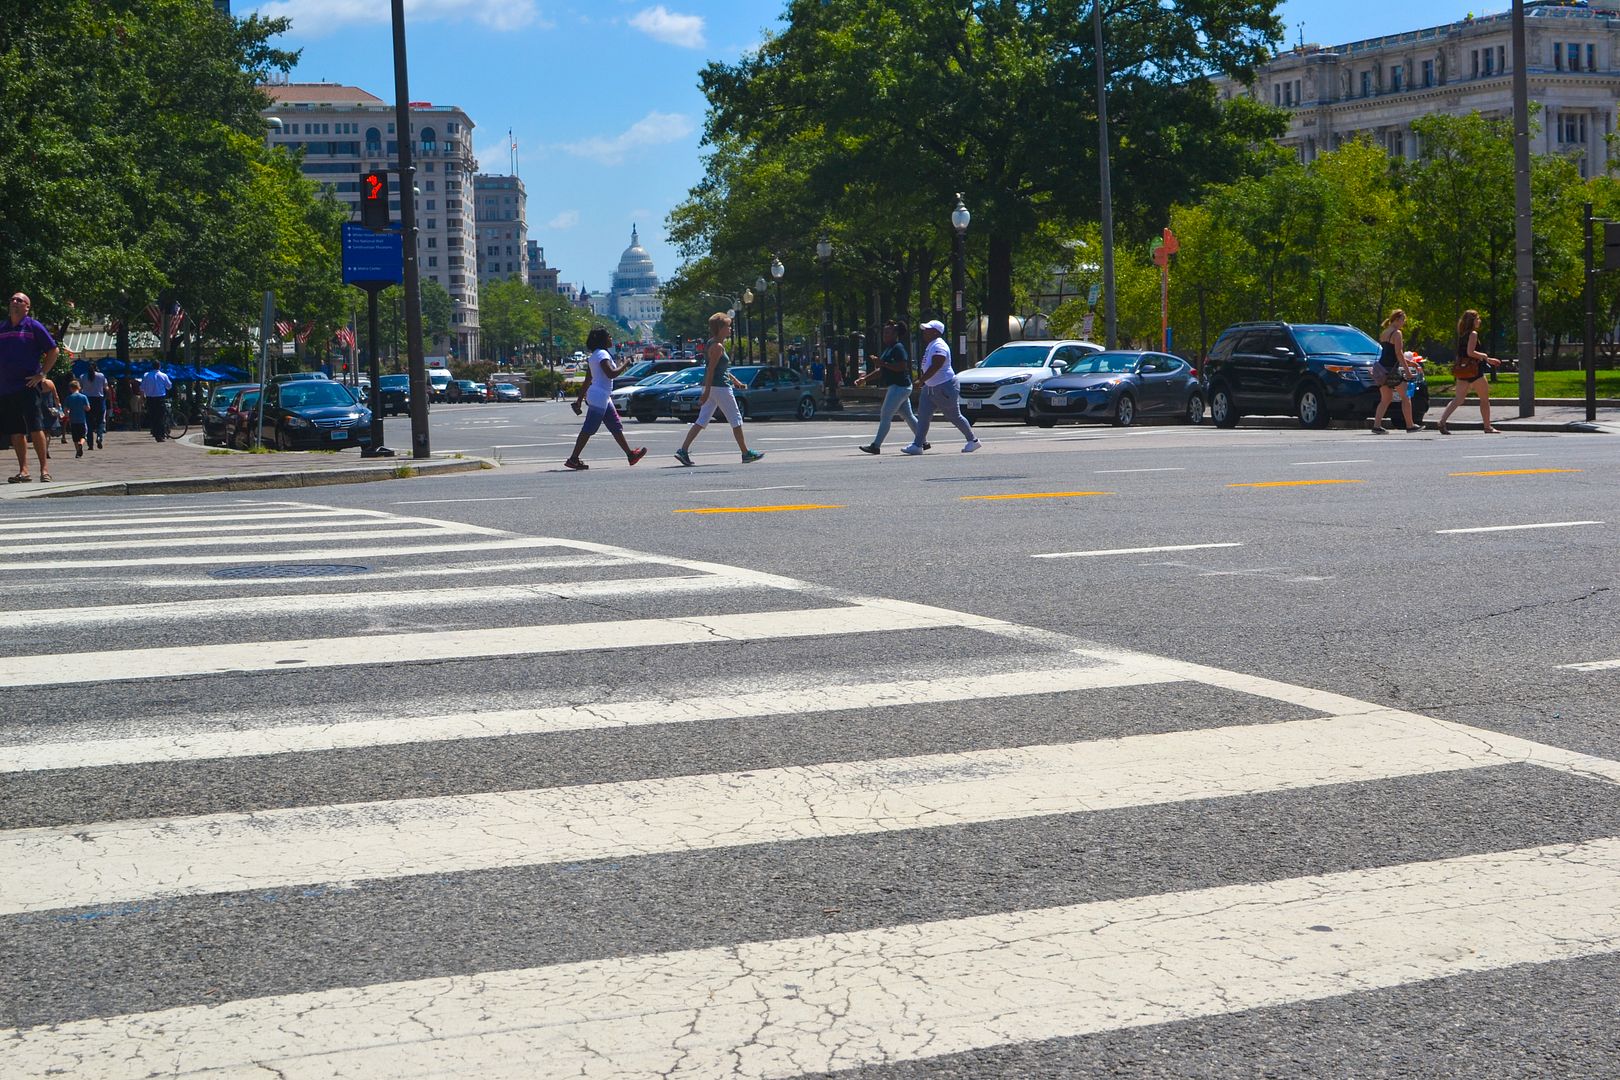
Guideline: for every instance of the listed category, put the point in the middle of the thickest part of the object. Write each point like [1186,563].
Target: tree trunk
[998,292]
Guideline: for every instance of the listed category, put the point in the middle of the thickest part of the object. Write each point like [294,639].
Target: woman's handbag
[1465,369]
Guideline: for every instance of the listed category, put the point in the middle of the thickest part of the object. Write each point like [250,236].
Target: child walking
[78,412]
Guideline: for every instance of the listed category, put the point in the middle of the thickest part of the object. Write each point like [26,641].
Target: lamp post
[830,372]
[759,290]
[1106,178]
[960,217]
[420,446]
[747,339]
[777,270]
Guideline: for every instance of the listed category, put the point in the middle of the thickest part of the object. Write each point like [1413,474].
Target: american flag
[202,324]
[283,328]
[345,337]
[154,315]
[303,335]
[177,319]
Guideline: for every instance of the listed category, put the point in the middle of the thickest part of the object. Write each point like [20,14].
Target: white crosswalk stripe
[763,1005]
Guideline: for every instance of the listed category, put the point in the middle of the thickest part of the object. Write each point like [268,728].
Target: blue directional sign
[372,258]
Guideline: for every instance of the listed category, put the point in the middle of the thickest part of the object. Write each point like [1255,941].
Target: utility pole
[1523,233]
[420,446]
[1107,183]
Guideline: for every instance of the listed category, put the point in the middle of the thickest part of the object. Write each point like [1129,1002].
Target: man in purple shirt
[27,352]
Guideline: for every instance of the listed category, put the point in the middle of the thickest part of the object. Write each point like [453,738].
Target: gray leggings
[944,398]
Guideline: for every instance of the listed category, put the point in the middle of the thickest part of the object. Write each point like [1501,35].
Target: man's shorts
[19,413]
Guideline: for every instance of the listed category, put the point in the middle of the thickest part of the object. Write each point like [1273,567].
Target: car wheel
[283,440]
[1222,409]
[1311,408]
[646,418]
[807,408]
[1125,411]
[1195,408]
[1046,423]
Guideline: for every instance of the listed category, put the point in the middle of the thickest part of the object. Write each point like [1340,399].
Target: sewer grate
[291,570]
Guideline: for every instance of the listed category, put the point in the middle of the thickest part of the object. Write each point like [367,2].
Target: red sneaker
[637,455]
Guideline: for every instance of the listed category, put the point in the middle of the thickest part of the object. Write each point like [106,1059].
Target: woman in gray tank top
[718,382]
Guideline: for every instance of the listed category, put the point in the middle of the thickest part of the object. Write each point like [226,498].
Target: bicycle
[178,424]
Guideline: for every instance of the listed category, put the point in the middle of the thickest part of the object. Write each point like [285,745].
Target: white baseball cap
[933,324]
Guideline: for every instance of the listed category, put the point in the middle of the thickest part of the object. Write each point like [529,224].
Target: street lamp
[747,298]
[960,217]
[777,270]
[759,290]
[824,250]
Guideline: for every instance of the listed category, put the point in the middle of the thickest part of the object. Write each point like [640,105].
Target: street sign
[372,258]
[1092,294]
[1086,325]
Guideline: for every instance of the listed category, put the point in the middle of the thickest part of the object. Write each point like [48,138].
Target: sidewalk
[134,464]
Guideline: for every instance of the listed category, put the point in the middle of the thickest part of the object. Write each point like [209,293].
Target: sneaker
[870,449]
[928,446]
[971,445]
[751,456]
[79,451]
[637,455]
[575,464]
[99,446]
[913,449]
[1380,430]
[683,457]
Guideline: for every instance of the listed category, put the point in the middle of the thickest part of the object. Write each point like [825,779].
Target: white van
[438,383]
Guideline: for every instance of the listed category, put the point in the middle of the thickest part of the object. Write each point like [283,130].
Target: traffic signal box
[374,199]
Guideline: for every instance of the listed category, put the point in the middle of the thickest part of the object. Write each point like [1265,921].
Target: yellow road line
[1516,472]
[756,509]
[1035,495]
[1296,483]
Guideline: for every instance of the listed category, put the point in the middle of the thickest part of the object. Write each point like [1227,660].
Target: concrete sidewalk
[134,464]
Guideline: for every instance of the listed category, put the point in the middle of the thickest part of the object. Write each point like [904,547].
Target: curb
[191,485]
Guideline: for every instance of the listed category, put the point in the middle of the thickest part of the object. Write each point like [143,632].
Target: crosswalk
[300,791]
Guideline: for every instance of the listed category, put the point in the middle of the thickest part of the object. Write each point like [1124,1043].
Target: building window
[1558,57]
[1572,128]
[1501,58]
[1490,62]
[1574,56]
[433,260]
[433,241]
[430,185]
[1475,59]
[1428,73]
[433,223]
[1591,58]
[1395,79]
[1276,95]
[1366,84]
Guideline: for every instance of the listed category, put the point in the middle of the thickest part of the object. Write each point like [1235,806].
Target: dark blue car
[1119,387]
[650,399]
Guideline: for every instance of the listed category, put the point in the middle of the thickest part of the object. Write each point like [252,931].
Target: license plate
[340,434]
[969,406]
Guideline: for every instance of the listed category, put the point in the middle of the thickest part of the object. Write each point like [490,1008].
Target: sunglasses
[18,300]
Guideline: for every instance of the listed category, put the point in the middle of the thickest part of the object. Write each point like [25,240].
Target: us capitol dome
[635,297]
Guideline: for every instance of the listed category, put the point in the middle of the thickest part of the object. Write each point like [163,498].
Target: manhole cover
[291,570]
[967,479]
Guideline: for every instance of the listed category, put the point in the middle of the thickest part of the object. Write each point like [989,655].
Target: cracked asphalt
[1354,588]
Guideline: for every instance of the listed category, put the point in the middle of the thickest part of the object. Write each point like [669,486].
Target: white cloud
[672,29]
[312,18]
[565,220]
[654,129]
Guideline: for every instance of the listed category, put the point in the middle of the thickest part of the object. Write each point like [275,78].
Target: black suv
[1317,372]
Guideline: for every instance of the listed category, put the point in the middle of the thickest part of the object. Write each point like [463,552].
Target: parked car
[505,391]
[767,391]
[297,376]
[1119,387]
[220,397]
[311,415]
[643,368]
[1316,372]
[1000,384]
[241,419]
[650,398]
[464,390]
[394,394]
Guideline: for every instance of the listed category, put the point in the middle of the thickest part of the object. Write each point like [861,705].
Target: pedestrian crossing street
[474,803]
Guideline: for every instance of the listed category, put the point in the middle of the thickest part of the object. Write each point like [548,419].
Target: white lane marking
[497,498]
[1483,457]
[1517,528]
[1130,551]
[126,861]
[316,554]
[1591,665]
[306,738]
[153,534]
[828,1002]
[307,653]
[382,531]
[1101,472]
[486,569]
[1336,461]
[728,491]
[359,602]
[87,524]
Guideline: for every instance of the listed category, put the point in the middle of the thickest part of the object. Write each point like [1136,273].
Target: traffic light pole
[374,365]
[420,446]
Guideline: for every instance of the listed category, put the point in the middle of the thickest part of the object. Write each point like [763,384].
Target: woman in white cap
[939,391]
[717,383]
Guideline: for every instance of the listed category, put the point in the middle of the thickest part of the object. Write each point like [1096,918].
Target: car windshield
[1018,356]
[654,380]
[304,395]
[505,386]
[747,375]
[1106,363]
[637,369]
[395,382]
[1342,340]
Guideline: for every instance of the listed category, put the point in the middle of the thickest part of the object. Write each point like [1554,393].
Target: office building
[344,131]
[503,228]
[542,278]
[1376,87]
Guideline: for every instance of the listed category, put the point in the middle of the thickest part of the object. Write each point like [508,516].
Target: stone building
[503,228]
[1376,87]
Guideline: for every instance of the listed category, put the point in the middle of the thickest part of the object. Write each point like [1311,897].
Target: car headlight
[1350,372]
[1009,381]
[298,422]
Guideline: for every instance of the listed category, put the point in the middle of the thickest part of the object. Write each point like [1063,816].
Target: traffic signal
[374,199]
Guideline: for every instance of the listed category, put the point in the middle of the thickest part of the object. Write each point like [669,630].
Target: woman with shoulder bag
[1469,371]
[1390,372]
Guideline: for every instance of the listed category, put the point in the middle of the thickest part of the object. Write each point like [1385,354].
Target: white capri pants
[721,398]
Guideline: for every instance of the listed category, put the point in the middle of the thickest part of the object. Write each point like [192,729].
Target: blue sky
[602,98]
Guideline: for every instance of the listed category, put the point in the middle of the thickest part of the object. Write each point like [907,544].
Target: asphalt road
[1154,752]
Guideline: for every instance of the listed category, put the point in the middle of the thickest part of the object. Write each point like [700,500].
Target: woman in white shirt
[599,375]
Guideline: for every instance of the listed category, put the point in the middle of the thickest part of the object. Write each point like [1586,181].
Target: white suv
[1000,384]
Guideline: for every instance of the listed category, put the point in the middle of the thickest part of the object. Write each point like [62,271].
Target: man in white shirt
[94,387]
[939,390]
[155,387]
